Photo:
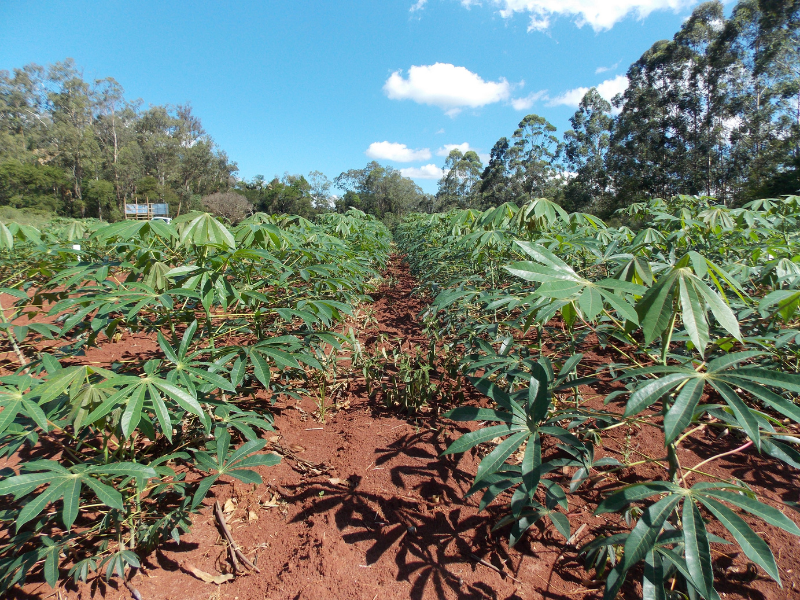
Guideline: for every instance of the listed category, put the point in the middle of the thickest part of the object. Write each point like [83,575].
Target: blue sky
[299,86]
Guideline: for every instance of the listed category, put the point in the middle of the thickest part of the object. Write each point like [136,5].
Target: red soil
[368,509]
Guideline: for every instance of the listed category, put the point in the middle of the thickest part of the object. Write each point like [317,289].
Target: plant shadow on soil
[401,527]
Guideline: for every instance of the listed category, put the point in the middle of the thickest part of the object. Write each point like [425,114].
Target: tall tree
[53,117]
[72,132]
[670,137]
[320,190]
[494,185]
[533,159]
[760,45]
[381,191]
[585,149]
[457,186]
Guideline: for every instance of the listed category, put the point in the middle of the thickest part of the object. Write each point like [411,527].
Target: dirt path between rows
[364,507]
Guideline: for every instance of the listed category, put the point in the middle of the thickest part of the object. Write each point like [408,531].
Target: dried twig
[234,549]
[134,592]
[574,537]
[486,563]
[301,466]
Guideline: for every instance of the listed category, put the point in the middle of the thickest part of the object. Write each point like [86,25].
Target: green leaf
[681,412]
[202,489]
[697,549]
[779,379]
[260,368]
[472,413]
[653,580]
[72,492]
[740,410]
[205,230]
[32,509]
[769,514]
[23,484]
[591,303]
[105,493]
[644,535]
[650,392]
[473,438]
[655,307]
[133,412]
[753,546]
[245,475]
[720,310]
[51,567]
[183,398]
[622,307]
[125,469]
[495,459]
[693,315]
[634,493]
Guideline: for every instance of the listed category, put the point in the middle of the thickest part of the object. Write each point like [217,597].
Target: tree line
[715,111]
[78,148]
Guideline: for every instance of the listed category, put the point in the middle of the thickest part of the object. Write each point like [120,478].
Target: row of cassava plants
[112,461]
[692,297]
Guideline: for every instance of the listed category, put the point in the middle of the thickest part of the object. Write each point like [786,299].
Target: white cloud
[613,67]
[598,14]
[446,86]
[608,89]
[447,148]
[418,6]
[430,171]
[529,100]
[539,24]
[464,148]
[396,152]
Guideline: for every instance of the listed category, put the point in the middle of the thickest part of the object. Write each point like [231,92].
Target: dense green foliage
[79,148]
[128,452]
[694,298]
[713,111]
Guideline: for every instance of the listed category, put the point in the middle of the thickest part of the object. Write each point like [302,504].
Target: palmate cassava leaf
[524,415]
[681,287]
[205,230]
[559,281]
[733,382]
[66,485]
[137,393]
[237,464]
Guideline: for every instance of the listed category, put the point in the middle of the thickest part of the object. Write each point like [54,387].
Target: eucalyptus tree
[457,187]
[759,45]
[534,158]
[667,136]
[381,190]
[54,117]
[494,184]
[73,140]
[585,149]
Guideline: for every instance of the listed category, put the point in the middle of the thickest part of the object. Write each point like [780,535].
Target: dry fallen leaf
[252,516]
[335,481]
[274,438]
[229,506]
[296,448]
[273,502]
[207,577]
